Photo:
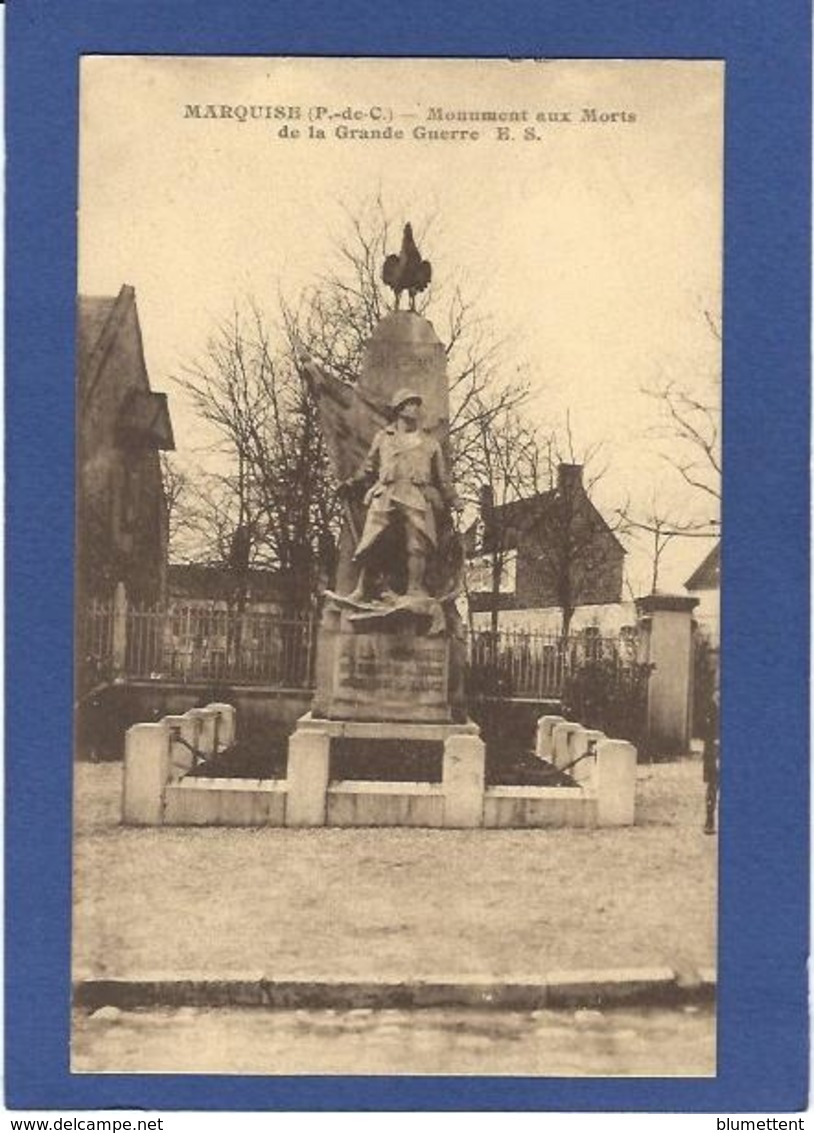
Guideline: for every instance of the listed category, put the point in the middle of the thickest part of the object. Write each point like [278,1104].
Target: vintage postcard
[398,485]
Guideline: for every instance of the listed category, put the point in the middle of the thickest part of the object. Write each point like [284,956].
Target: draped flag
[348,419]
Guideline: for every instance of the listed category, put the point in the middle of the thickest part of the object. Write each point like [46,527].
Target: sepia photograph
[398,566]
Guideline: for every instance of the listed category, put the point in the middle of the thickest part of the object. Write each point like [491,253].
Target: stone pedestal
[369,675]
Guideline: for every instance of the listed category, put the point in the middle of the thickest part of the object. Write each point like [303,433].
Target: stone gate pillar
[666,631]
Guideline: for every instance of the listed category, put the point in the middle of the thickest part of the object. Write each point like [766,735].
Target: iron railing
[532,665]
[217,645]
[189,643]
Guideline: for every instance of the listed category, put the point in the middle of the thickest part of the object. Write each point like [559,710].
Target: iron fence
[217,645]
[532,665]
[192,643]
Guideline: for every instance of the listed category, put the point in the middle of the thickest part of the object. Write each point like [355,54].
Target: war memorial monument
[391,646]
[391,649]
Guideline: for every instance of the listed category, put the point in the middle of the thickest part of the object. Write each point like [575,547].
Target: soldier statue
[412,491]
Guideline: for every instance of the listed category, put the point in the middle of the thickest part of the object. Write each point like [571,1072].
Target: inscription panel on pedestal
[386,667]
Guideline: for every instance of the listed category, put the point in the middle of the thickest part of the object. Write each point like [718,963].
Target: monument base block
[385,675]
[456,802]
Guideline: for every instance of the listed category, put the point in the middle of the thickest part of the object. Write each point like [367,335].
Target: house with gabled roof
[122,426]
[705,584]
[529,557]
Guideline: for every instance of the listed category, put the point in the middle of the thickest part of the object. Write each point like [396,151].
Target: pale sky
[594,247]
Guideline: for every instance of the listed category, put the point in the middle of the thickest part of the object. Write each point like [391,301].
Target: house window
[480,573]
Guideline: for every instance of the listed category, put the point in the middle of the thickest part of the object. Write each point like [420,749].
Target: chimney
[486,519]
[569,478]
[487,504]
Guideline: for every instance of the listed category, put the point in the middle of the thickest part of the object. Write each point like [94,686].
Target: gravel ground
[395,903]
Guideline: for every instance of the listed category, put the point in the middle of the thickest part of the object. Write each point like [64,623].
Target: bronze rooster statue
[407,271]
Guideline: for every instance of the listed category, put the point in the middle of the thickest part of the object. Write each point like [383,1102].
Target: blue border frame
[763,1039]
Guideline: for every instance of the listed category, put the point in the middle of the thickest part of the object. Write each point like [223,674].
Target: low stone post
[543,748]
[560,737]
[208,729]
[191,732]
[146,773]
[226,724]
[309,754]
[580,743]
[463,780]
[615,783]
[183,737]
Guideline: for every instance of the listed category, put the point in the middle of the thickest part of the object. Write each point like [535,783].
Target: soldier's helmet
[401,395]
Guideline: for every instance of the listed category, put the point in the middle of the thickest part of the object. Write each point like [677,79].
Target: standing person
[712,757]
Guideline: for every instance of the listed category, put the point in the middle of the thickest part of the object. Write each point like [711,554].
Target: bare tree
[206,518]
[535,495]
[691,421]
[178,488]
[500,466]
[275,502]
[660,526]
